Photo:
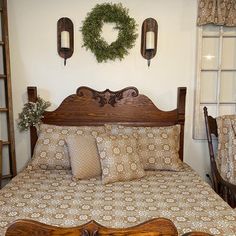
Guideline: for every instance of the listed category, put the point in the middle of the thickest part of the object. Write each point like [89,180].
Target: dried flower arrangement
[32,113]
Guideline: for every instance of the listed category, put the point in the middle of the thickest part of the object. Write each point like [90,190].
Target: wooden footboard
[154,227]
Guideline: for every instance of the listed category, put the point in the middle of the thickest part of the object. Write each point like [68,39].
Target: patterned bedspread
[53,197]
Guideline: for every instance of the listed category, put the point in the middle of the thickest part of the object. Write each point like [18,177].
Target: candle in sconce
[65,39]
[150,40]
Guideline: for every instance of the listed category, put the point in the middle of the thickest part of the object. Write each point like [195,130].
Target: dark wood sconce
[65,38]
[149,39]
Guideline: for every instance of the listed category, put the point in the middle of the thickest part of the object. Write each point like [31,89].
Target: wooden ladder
[7,108]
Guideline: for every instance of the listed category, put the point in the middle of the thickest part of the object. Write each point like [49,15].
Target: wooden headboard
[126,107]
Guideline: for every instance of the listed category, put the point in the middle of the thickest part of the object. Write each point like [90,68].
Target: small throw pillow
[119,158]
[84,157]
[158,147]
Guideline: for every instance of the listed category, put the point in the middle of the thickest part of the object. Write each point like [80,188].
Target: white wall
[35,62]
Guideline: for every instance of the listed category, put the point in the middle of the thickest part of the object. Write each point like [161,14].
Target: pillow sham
[50,150]
[119,158]
[84,157]
[158,147]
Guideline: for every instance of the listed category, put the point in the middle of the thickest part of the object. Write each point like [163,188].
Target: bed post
[32,97]
[181,117]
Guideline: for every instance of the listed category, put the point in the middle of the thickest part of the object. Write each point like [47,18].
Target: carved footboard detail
[159,226]
[154,227]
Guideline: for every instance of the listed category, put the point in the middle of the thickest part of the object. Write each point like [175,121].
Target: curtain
[218,12]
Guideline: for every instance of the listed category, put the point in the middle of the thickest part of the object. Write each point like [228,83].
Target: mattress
[54,197]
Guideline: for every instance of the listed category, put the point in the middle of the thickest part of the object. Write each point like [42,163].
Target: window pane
[229,53]
[208,86]
[216,75]
[211,30]
[227,109]
[229,31]
[210,53]
[228,86]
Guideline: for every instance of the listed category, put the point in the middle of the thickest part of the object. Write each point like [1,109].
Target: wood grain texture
[32,97]
[159,226]
[126,107]
[154,227]
[223,188]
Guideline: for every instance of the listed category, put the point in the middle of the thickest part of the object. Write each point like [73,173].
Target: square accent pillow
[119,158]
[84,156]
[158,147]
[50,151]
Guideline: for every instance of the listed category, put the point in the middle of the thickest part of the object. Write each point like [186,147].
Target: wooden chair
[223,188]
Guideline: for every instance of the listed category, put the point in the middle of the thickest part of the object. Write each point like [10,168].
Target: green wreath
[92,27]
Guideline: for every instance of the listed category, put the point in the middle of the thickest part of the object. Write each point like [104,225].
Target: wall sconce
[65,38]
[149,39]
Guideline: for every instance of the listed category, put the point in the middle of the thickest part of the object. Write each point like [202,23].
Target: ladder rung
[3,109]
[1,43]
[5,142]
[1,9]
[7,176]
[2,76]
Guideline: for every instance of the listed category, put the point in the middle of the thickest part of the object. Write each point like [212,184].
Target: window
[216,74]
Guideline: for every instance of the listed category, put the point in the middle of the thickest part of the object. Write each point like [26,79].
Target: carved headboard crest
[107,96]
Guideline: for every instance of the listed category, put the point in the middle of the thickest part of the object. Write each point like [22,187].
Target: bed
[174,202]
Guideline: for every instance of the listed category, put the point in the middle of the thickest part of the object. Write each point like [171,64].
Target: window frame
[198,119]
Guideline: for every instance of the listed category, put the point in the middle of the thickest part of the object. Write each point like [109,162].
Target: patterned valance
[218,12]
